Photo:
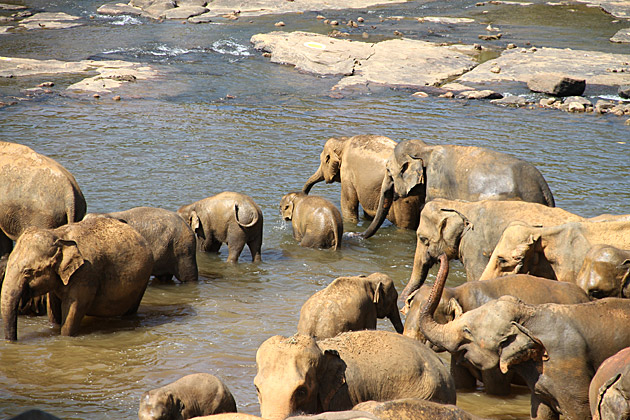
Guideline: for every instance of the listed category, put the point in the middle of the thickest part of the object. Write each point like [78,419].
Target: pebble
[116,98]
[280,23]
[447,95]
[334,22]
[511,46]
[420,95]
[96,96]
[360,19]
[365,35]
[496,69]
[46,84]
[398,33]
[320,17]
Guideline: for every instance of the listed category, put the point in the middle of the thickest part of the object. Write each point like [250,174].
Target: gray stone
[577,99]
[479,94]
[603,106]
[4,6]
[622,36]
[115,9]
[159,9]
[184,12]
[556,84]
[624,91]
[511,101]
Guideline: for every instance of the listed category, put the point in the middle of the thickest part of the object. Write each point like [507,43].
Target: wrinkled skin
[605,272]
[337,415]
[457,173]
[198,394]
[170,238]
[229,416]
[300,375]
[316,221]
[609,391]
[358,163]
[554,348]
[98,267]
[469,231]
[468,296]
[350,304]
[413,409]
[226,218]
[554,252]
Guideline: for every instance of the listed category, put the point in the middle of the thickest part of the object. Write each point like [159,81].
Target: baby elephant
[199,394]
[316,221]
[350,304]
[605,272]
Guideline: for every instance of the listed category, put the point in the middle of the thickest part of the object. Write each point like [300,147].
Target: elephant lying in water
[457,172]
[358,163]
[350,304]
[97,267]
[554,348]
[605,272]
[609,392]
[299,374]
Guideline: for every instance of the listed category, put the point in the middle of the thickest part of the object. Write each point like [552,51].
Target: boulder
[577,99]
[159,8]
[556,84]
[602,106]
[623,35]
[624,91]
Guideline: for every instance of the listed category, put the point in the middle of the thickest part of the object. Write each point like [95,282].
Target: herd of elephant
[543,306]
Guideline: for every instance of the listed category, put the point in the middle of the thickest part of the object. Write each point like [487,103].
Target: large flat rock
[622,35]
[617,8]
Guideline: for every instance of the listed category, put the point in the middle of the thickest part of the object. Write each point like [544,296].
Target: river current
[224,118]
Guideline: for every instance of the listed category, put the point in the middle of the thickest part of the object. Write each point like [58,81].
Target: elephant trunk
[394,316]
[13,289]
[314,179]
[439,335]
[421,264]
[384,204]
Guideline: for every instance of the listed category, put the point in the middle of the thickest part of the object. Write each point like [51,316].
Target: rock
[601,106]
[510,46]
[547,102]
[627,122]
[445,20]
[623,35]
[447,95]
[184,12]
[511,101]
[334,22]
[360,19]
[420,95]
[490,37]
[50,20]
[574,107]
[158,9]
[556,84]
[116,9]
[577,99]
[624,91]
[202,18]
[46,84]
[279,23]
[4,6]
[479,94]
[496,69]
[116,98]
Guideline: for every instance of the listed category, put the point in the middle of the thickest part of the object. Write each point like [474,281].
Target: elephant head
[160,404]
[330,163]
[447,310]
[613,399]
[40,263]
[386,299]
[405,169]
[486,337]
[294,375]
[287,204]
[189,214]
[605,272]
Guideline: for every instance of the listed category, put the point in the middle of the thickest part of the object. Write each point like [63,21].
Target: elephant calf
[350,304]
[199,394]
[605,272]
[316,221]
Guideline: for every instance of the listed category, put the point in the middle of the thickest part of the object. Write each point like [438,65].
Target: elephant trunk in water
[12,291]
[314,179]
[384,204]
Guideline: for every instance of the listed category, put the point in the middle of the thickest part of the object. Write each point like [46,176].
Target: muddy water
[180,140]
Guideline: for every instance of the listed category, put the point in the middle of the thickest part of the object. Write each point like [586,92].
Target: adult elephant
[553,252]
[554,348]
[299,374]
[98,267]
[609,392]
[457,172]
[358,163]
[605,272]
[469,231]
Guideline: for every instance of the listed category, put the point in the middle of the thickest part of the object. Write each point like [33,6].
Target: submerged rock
[624,91]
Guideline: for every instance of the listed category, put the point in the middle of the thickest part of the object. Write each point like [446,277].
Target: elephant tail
[245,223]
[546,191]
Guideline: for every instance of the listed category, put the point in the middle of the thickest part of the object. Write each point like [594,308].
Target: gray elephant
[350,304]
[413,409]
[605,272]
[170,238]
[358,163]
[316,221]
[609,391]
[228,217]
[457,173]
[198,394]
[99,267]
[301,375]
[554,348]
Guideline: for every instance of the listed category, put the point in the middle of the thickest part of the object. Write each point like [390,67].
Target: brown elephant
[554,348]
[605,272]
[228,217]
[413,409]
[457,173]
[194,395]
[457,300]
[316,221]
[170,238]
[609,391]
[553,252]
[229,416]
[469,231]
[299,374]
[350,304]
[99,267]
[358,163]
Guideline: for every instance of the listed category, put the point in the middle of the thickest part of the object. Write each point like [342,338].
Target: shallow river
[181,140]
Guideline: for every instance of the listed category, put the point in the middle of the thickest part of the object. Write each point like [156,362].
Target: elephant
[229,416]
[228,217]
[457,172]
[194,395]
[469,231]
[337,415]
[553,252]
[554,348]
[301,375]
[358,163]
[350,304]
[98,267]
[609,391]
[413,409]
[171,239]
[458,300]
[316,221]
[605,272]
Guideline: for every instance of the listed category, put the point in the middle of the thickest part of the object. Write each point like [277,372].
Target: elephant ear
[71,259]
[603,390]
[195,224]
[518,346]
[331,377]
[378,291]
[625,279]
[454,309]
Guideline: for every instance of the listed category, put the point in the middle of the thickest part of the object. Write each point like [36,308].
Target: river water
[179,140]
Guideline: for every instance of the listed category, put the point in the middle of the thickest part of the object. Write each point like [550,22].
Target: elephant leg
[54,309]
[236,241]
[72,312]
[349,203]
[541,411]
[6,246]
[255,248]
[187,270]
[164,278]
[462,376]
[210,245]
[495,382]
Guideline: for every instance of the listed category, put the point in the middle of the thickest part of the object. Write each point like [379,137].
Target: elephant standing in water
[98,267]
[358,163]
[228,217]
[316,221]
[457,172]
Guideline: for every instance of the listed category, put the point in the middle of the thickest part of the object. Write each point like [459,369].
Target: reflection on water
[183,140]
